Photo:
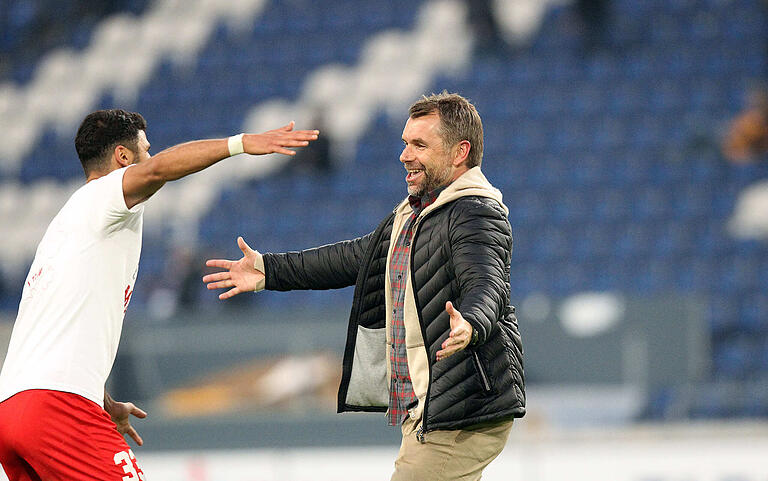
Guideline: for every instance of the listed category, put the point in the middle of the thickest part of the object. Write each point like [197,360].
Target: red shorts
[53,435]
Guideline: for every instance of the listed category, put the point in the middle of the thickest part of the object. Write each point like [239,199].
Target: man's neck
[98,173]
[94,176]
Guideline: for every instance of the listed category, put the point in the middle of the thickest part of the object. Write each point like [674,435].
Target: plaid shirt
[401,394]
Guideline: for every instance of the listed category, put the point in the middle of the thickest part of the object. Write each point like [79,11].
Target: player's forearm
[144,179]
[187,158]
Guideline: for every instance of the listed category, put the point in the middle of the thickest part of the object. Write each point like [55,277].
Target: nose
[406,155]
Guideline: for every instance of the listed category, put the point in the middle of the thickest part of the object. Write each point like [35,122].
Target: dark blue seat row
[30,28]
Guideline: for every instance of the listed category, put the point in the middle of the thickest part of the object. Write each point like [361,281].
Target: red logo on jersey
[35,277]
[128,293]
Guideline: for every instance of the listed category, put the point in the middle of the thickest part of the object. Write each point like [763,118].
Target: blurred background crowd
[629,139]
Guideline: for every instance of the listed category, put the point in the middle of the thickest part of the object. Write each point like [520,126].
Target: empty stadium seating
[607,160]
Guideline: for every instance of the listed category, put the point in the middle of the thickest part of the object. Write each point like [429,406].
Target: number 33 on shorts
[127,460]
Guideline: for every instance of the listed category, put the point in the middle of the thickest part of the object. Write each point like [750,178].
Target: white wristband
[235,144]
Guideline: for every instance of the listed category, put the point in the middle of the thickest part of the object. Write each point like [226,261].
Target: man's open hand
[278,140]
[121,413]
[238,276]
[460,336]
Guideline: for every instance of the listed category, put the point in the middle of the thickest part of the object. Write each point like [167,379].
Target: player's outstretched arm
[146,177]
[237,276]
[121,415]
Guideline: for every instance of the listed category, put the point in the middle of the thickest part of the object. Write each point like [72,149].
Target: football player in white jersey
[56,420]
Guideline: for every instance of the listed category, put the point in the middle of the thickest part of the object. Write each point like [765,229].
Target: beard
[434,177]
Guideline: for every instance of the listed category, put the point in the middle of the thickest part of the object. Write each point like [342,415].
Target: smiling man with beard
[432,339]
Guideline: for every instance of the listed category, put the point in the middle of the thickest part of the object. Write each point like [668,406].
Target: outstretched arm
[146,178]
[327,267]
[121,415]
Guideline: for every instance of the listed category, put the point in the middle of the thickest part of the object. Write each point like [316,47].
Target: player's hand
[238,276]
[460,336]
[121,415]
[277,141]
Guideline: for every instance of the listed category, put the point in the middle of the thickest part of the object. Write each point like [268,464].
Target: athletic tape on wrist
[235,145]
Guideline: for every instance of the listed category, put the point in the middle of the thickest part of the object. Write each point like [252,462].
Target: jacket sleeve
[481,240]
[331,266]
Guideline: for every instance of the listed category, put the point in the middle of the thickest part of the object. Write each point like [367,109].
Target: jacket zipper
[422,430]
[481,372]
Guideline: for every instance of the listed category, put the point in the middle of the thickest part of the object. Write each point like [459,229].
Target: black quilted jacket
[461,253]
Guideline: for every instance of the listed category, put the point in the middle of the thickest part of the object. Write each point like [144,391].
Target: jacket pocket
[484,380]
[368,384]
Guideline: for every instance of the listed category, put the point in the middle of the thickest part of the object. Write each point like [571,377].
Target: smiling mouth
[412,174]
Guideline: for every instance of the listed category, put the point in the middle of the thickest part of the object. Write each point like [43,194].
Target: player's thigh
[16,469]
[68,437]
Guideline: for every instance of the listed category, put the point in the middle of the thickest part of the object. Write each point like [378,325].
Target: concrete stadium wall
[705,452]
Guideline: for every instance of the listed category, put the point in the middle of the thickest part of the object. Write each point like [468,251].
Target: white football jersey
[71,313]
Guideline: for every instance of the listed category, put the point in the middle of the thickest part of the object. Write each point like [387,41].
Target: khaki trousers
[459,455]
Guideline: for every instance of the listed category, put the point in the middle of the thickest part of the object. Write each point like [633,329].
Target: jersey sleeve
[109,200]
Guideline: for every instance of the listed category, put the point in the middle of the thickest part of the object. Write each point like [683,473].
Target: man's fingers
[138,412]
[230,293]
[458,331]
[458,337]
[282,150]
[220,263]
[443,353]
[449,308]
[135,435]
[456,340]
[244,246]
[220,285]
[453,344]
[217,276]
[294,143]
[302,135]
[287,127]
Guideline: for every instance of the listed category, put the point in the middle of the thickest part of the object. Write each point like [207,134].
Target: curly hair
[102,131]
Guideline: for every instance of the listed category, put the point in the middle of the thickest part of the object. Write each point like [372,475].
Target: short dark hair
[459,121]
[102,131]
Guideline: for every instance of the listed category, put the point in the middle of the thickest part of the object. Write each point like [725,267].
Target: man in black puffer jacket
[432,338]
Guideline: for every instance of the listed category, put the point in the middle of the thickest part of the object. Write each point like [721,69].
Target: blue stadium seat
[734,358]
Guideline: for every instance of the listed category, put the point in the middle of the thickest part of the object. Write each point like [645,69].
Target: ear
[123,156]
[462,152]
